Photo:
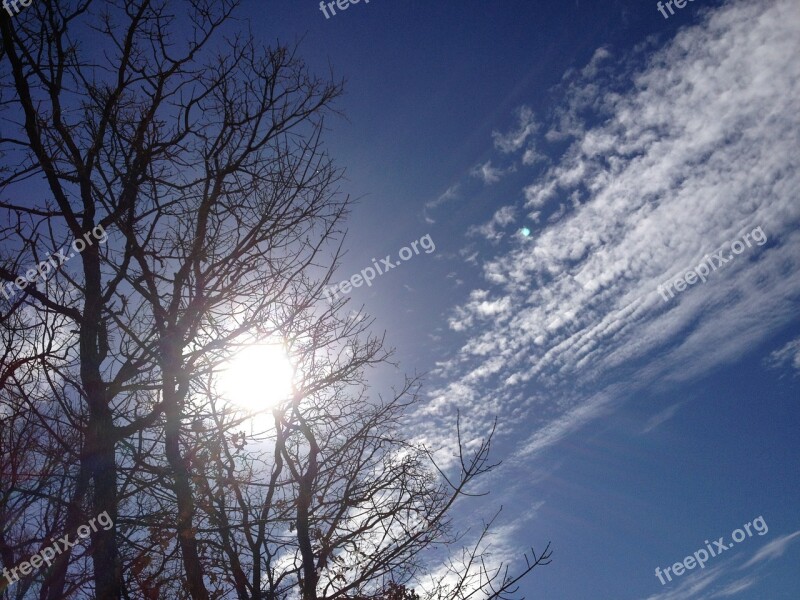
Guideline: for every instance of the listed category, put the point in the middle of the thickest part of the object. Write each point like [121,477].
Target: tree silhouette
[190,161]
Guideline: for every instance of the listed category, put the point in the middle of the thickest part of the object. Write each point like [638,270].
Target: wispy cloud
[558,428]
[705,584]
[515,139]
[690,585]
[489,174]
[533,156]
[788,355]
[494,229]
[773,549]
[662,417]
[735,587]
[450,194]
[699,148]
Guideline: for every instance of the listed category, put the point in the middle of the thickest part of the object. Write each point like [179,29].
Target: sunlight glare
[257,377]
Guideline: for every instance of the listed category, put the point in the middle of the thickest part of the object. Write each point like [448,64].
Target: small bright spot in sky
[257,377]
[525,231]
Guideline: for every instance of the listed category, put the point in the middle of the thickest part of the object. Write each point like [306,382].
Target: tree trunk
[173,399]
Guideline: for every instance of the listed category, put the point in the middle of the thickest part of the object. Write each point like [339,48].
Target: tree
[192,167]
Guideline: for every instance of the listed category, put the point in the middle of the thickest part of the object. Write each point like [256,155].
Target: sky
[566,159]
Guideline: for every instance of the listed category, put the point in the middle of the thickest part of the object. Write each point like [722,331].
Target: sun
[257,377]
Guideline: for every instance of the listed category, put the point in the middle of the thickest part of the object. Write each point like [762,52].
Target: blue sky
[630,146]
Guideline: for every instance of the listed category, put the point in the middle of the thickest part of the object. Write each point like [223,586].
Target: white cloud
[662,417]
[560,427]
[533,156]
[600,55]
[492,230]
[735,587]
[785,356]
[489,174]
[700,149]
[690,585]
[773,549]
[450,194]
[700,584]
[514,140]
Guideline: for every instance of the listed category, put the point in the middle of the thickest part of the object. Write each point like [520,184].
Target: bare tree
[192,167]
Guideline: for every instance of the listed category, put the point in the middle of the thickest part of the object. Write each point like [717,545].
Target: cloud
[735,587]
[699,584]
[699,148]
[450,194]
[662,417]
[503,217]
[489,174]
[557,429]
[690,585]
[702,585]
[600,55]
[515,139]
[773,549]
[788,355]
[533,156]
